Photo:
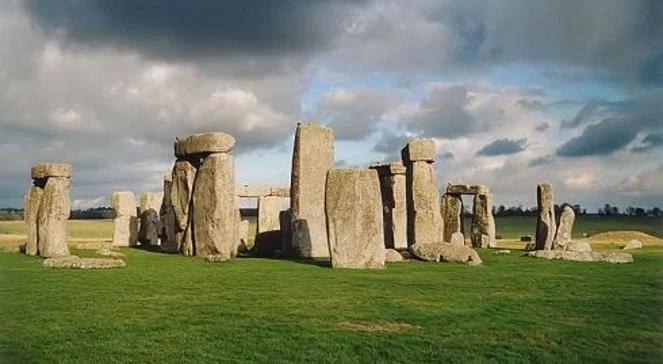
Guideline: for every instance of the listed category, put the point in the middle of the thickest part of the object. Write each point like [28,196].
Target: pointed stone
[565,228]
[545,223]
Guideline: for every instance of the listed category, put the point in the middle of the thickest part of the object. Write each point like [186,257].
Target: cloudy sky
[513,92]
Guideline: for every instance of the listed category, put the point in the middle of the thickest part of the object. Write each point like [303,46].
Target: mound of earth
[623,237]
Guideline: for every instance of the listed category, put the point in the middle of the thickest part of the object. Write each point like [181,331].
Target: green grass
[76,229]
[169,308]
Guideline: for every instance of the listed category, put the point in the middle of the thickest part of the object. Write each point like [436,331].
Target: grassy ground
[168,308]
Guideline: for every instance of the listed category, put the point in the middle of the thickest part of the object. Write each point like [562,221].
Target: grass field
[169,308]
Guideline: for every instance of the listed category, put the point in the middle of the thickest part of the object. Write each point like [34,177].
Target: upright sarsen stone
[565,229]
[482,232]
[150,204]
[268,236]
[168,223]
[312,157]
[125,224]
[31,205]
[452,214]
[214,214]
[181,196]
[425,224]
[354,219]
[545,223]
[54,212]
[394,204]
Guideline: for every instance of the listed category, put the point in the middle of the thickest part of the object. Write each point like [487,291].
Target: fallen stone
[312,157]
[52,220]
[545,223]
[503,251]
[564,229]
[45,170]
[583,256]
[578,246]
[445,252]
[392,255]
[354,218]
[206,143]
[633,244]
[457,239]
[465,189]
[74,262]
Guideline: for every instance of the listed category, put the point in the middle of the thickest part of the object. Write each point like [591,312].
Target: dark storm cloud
[503,147]
[444,114]
[176,29]
[607,136]
[649,142]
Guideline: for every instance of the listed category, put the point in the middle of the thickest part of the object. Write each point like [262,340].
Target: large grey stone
[169,226]
[467,189]
[215,223]
[150,200]
[452,213]
[268,236]
[31,204]
[45,170]
[354,218]
[244,237]
[125,224]
[419,150]
[394,203]
[285,220]
[425,224]
[53,215]
[565,228]
[181,196]
[148,234]
[201,144]
[436,252]
[633,244]
[312,157]
[583,256]
[482,229]
[545,222]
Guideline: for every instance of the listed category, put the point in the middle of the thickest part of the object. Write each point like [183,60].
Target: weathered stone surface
[74,262]
[577,246]
[583,256]
[148,235]
[215,222]
[268,236]
[169,226]
[436,252]
[457,238]
[52,220]
[181,196]
[419,150]
[354,218]
[452,213]
[150,200]
[425,222]
[482,232]
[258,191]
[392,255]
[125,224]
[633,244]
[200,144]
[565,228]
[545,222]
[31,204]
[467,189]
[312,157]
[394,203]
[45,170]
[285,219]
[244,237]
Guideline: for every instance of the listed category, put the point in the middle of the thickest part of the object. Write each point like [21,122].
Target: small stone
[578,246]
[392,255]
[457,239]
[435,252]
[633,244]
[206,143]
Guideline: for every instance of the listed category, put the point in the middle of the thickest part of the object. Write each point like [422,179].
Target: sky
[514,92]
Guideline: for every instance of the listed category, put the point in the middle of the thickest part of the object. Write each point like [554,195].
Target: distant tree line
[606,210]
[88,214]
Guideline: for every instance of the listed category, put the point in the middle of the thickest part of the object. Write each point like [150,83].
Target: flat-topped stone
[45,170]
[467,189]
[419,150]
[260,191]
[206,143]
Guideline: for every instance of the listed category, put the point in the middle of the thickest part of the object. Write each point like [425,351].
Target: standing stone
[150,200]
[394,205]
[243,237]
[285,220]
[167,219]
[354,218]
[425,224]
[31,204]
[565,229]
[125,224]
[181,196]
[482,231]
[545,222]
[150,204]
[268,236]
[312,157]
[52,220]
[215,222]
[452,214]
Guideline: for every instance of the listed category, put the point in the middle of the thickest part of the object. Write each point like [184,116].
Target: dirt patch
[623,237]
[367,326]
